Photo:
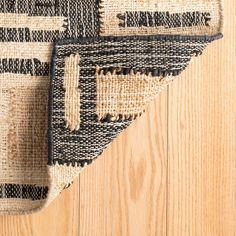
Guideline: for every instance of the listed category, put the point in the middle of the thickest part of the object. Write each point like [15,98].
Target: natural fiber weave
[185,17]
[102,62]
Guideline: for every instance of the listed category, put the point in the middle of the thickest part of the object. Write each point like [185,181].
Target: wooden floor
[172,172]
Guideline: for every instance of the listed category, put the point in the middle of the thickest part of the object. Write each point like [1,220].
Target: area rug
[76,73]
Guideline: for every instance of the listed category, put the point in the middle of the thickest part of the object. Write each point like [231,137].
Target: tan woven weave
[110,8]
[126,94]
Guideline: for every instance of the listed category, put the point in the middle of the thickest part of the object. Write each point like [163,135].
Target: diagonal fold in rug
[76,73]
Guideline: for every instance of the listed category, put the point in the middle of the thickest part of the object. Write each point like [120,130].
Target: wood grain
[124,193]
[172,172]
[201,142]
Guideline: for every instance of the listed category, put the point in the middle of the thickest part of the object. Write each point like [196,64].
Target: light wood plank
[124,191]
[202,138]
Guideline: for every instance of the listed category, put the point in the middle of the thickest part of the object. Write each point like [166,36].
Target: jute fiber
[76,73]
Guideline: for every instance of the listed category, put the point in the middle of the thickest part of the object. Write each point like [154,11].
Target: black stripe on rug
[165,19]
[33,66]
[23,191]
